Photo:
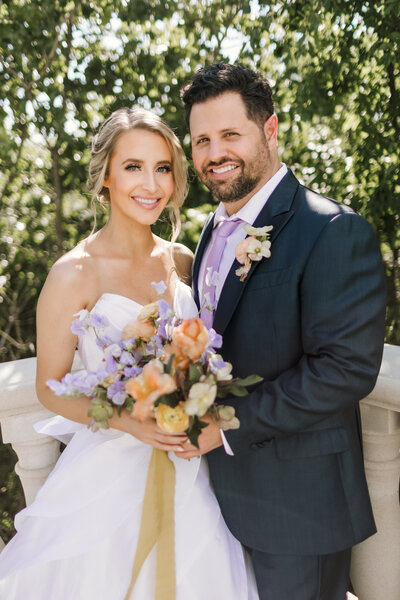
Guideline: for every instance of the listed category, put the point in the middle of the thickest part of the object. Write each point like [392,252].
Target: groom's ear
[271,132]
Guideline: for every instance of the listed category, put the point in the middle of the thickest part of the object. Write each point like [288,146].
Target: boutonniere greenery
[254,248]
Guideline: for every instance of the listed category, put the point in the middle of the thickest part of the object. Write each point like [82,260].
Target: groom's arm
[342,299]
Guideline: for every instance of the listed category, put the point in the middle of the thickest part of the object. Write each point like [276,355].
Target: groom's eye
[201,140]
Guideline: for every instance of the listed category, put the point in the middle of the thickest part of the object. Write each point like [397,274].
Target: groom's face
[233,155]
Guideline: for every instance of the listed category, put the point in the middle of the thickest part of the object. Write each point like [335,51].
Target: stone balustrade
[375,571]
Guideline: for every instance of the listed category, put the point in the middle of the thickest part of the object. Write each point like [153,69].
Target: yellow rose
[149,311]
[172,420]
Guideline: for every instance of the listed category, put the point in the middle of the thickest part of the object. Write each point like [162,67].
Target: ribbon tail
[158,526]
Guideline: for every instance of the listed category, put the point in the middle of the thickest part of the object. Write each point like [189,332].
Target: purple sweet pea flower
[98,321]
[111,365]
[77,327]
[113,350]
[215,339]
[58,387]
[164,310]
[126,358]
[132,371]
[116,392]
[160,287]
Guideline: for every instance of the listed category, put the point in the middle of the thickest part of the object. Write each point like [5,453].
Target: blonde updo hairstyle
[103,146]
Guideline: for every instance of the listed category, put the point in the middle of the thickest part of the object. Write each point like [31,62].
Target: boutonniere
[254,248]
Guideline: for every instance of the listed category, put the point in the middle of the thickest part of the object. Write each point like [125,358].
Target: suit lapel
[201,246]
[276,212]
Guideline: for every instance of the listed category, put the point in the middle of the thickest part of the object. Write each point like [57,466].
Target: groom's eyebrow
[224,130]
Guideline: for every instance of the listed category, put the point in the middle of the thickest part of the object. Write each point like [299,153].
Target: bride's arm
[63,295]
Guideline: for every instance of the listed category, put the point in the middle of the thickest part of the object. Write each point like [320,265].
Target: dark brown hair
[216,79]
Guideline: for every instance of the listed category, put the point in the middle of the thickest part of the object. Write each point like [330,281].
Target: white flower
[253,248]
[220,368]
[211,277]
[227,419]
[257,250]
[258,231]
[82,314]
[201,397]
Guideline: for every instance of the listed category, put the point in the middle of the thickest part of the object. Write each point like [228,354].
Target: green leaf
[194,430]
[249,380]
[194,373]
[168,399]
[237,390]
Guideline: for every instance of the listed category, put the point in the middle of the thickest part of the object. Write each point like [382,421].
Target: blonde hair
[103,146]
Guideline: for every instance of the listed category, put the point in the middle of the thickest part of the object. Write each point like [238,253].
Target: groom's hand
[209,439]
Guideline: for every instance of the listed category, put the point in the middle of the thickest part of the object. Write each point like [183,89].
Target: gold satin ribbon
[158,526]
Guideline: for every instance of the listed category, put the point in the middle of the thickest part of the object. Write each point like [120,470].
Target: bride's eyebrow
[140,161]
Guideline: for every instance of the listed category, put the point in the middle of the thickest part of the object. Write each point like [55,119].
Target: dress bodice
[119,310]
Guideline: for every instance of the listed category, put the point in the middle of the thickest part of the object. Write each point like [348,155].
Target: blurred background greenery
[65,65]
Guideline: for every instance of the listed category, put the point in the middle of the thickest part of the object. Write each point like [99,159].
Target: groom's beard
[249,175]
[230,191]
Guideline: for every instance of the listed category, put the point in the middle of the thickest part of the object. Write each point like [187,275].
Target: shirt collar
[249,212]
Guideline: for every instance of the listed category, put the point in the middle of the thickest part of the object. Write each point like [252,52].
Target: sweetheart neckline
[179,282]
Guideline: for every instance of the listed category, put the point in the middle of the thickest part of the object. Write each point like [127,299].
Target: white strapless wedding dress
[77,540]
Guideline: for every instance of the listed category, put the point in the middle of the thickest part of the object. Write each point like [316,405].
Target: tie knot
[225,228]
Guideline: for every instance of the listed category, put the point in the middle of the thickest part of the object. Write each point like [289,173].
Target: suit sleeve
[342,296]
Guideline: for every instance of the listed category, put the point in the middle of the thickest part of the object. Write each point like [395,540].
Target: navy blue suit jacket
[310,321]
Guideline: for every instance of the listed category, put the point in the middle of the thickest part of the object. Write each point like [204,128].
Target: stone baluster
[375,570]
[19,410]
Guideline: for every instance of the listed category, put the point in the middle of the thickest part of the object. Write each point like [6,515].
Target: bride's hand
[148,432]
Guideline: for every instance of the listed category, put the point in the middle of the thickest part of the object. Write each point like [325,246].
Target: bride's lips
[223,171]
[146,203]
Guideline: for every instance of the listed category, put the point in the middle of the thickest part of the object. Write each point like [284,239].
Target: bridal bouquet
[162,366]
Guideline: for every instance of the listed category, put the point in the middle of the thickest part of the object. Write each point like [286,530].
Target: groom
[310,320]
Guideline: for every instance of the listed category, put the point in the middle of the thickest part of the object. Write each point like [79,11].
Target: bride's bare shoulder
[71,274]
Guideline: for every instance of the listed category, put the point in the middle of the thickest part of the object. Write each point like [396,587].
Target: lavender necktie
[224,230]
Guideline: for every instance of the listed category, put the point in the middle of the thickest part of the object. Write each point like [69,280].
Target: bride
[78,539]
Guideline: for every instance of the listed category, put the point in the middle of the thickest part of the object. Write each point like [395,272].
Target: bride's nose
[149,182]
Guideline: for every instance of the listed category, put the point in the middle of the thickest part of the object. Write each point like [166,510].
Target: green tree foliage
[66,65]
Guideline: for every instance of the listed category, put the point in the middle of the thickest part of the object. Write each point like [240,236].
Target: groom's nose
[216,151]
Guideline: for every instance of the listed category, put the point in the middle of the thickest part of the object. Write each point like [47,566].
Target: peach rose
[147,387]
[172,419]
[190,338]
[143,330]
[180,360]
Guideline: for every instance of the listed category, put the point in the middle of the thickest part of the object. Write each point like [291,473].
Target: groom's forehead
[220,114]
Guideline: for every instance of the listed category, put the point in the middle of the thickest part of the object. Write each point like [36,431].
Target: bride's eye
[164,169]
[132,167]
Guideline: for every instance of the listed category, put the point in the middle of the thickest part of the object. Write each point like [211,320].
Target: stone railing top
[17,380]
[17,377]
[386,393]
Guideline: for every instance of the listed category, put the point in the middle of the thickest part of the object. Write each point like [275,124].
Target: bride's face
[140,180]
